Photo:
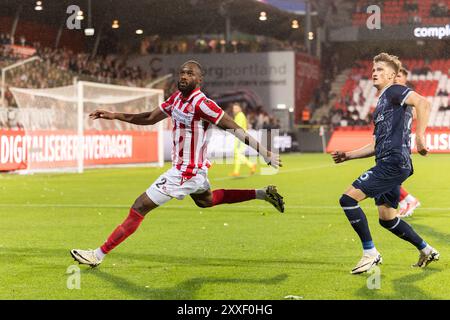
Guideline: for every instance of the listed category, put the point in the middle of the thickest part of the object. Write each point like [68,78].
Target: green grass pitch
[242,251]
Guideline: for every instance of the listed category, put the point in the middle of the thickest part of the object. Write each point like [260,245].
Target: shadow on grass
[427,232]
[405,287]
[186,290]
[23,254]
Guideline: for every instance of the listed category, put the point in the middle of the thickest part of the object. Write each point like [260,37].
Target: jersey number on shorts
[365,175]
[159,184]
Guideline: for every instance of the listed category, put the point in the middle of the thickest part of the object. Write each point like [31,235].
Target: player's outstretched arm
[364,152]
[423,108]
[144,118]
[227,123]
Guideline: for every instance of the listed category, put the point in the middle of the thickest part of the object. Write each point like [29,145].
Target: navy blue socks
[358,220]
[404,231]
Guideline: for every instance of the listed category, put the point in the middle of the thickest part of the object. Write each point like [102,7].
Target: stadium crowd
[156,45]
[401,12]
[438,8]
[60,66]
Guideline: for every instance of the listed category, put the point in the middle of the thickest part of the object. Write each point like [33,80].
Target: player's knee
[347,201]
[204,203]
[389,224]
[141,207]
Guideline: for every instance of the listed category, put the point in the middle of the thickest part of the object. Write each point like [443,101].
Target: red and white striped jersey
[191,118]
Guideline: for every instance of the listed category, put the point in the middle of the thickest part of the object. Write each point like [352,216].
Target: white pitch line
[119,206]
[280,172]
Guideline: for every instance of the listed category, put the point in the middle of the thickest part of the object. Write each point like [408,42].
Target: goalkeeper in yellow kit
[239,147]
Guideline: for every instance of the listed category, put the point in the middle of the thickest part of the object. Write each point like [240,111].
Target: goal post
[58,135]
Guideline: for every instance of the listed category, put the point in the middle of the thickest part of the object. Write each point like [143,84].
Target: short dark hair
[199,66]
[404,71]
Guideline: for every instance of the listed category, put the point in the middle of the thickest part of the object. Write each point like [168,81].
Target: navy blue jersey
[392,119]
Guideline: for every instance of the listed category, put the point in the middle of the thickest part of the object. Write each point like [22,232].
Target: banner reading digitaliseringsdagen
[59,149]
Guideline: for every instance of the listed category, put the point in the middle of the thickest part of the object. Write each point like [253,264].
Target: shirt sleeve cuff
[162,109]
[406,97]
[219,118]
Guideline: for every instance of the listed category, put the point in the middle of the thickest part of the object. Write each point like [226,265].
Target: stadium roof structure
[296,6]
[169,17]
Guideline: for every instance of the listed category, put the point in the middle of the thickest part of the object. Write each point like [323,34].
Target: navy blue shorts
[382,183]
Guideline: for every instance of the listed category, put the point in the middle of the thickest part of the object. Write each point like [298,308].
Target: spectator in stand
[5,39]
[306,115]
[336,118]
[442,92]
[439,9]
[411,6]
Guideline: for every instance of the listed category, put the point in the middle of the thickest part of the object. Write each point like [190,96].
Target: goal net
[58,134]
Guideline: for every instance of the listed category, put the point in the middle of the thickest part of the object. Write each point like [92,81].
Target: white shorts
[169,185]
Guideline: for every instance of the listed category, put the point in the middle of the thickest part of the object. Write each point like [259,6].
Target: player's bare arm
[228,123]
[144,118]
[364,152]
[422,107]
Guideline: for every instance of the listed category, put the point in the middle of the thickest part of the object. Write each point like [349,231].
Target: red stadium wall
[57,149]
[307,77]
[346,139]
[44,34]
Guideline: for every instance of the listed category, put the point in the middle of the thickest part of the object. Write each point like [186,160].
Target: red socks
[403,194]
[134,219]
[232,196]
[123,231]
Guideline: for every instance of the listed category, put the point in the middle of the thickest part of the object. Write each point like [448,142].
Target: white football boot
[87,257]
[425,259]
[366,263]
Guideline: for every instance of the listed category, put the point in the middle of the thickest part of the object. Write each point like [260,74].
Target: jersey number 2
[159,184]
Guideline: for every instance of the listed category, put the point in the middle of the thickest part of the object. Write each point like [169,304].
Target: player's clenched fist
[101,114]
[421,146]
[339,156]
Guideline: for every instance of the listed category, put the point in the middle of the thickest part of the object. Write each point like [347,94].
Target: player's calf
[402,230]
[358,220]
[221,196]
[122,232]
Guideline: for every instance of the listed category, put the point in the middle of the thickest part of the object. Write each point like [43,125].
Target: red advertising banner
[59,149]
[438,140]
[23,50]
[307,76]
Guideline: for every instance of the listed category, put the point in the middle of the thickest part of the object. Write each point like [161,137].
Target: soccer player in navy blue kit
[392,150]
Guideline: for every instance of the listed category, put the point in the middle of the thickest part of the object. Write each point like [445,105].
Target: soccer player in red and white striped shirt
[408,203]
[192,115]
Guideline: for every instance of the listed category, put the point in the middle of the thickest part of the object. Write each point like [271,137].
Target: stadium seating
[430,79]
[401,12]
[61,66]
